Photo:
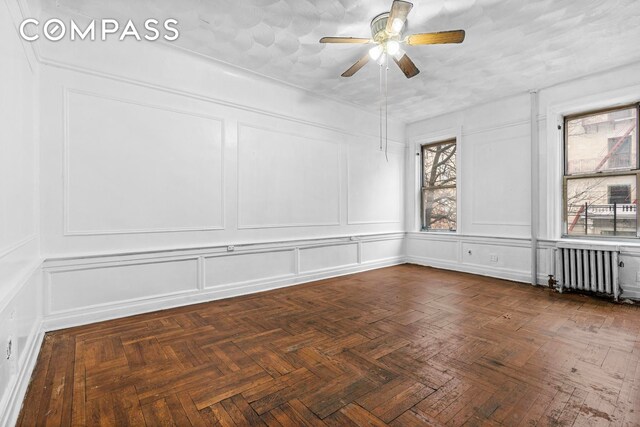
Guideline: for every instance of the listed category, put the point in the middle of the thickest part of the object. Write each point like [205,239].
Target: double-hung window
[601,173]
[439,186]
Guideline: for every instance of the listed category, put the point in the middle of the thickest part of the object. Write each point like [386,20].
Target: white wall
[20,274]
[154,160]
[495,179]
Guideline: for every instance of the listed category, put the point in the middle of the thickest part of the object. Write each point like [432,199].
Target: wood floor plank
[400,346]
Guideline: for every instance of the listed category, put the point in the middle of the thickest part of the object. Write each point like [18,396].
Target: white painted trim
[500,273]
[17,20]
[10,406]
[292,251]
[497,127]
[17,387]
[629,294]
[200,292]
[555,144]
[201,97]
[401,156]
[67,164]
[535,183]
[14,247]
[78,259]
[239,225]
[23,277]
[123,309]
[49,272]
[519,242]
[415,144]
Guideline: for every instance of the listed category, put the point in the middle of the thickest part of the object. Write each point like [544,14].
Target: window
[619,194]
[601,173]
[622,156]
[439,194]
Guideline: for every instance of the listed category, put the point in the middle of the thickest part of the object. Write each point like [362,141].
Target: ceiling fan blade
[407,66]
[344,40]
[397,17]
[355,67]
[436,38]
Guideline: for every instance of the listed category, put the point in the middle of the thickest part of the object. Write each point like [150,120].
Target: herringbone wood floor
[405,345]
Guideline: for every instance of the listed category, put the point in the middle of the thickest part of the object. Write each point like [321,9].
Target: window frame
[617,173]
[452,140]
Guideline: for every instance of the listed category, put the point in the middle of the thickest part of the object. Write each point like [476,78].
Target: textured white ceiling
[511,45]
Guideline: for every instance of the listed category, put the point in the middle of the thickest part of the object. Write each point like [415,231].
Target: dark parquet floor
[401,346]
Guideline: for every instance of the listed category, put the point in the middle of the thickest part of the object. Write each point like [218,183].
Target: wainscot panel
[87,286]
[247,267]
[326,257]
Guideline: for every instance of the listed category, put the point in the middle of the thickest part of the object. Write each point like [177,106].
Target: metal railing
[613,212]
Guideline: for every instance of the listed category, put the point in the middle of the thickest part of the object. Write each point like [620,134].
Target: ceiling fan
[386,34]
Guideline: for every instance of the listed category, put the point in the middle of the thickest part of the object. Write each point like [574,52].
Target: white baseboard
[124,309]
[497,272]
[10,407]
[632,294]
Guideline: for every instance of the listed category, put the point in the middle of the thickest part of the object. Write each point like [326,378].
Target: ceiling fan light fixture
[397,25]
[392,47]
[375,52]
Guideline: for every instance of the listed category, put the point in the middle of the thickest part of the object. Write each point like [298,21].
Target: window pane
[439,209]
[602,206]
[439,163]
[602,142]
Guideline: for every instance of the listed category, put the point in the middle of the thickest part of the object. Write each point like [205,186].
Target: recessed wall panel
[445,250]
[238,268]
[374,186]
[499,256]
[73,289]
[499,187]
[320,258]
[132,167]
[382,249]
[286,180]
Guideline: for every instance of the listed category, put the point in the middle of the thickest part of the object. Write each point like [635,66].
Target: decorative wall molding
[83,314]
[481,201]
[19,244]
[67,92]
[198,96]
[511,266]
[17,9]
[518,242]
[400,194]
[12,403]
[480,130]
[240,225]
[497,127]
[49,309]
[500,273]
[25,357]
[554,143]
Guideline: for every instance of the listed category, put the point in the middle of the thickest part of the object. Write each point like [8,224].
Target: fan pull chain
[386,110]
[381,101]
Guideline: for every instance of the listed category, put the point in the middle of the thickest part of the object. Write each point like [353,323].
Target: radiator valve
[552,281]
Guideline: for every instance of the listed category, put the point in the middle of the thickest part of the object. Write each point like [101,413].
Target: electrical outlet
[493,257]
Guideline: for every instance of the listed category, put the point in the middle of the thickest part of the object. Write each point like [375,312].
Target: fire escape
[598,168]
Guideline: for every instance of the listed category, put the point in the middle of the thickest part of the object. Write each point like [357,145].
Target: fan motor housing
[378,27]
